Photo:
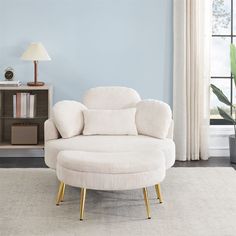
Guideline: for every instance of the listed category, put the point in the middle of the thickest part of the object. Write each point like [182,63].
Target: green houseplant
[222,98]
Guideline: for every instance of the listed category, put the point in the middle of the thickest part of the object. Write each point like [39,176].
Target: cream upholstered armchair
[113,141]
[153,121]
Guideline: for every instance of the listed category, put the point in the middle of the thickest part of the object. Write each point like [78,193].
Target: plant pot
[232,148]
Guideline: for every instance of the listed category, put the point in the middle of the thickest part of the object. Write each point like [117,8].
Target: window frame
[232,36]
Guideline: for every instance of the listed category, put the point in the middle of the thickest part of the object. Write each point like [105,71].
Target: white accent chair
[62,153]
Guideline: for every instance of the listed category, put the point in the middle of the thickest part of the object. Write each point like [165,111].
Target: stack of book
[24,105]
[13,83]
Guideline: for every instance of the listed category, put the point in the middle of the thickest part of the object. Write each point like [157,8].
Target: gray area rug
[197,201]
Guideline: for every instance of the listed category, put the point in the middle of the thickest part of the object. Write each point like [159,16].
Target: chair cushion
[68,118]
[103,143]
[110,122]
[153,118]
[110,98]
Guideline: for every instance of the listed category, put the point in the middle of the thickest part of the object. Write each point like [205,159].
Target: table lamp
[35,52]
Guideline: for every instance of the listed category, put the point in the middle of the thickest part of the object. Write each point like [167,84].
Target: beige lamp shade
[35,52]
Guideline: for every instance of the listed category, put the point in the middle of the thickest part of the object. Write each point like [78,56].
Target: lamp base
[35,83]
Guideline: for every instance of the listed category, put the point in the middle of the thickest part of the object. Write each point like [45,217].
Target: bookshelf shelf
[42,112]
[23,118]
[7,145]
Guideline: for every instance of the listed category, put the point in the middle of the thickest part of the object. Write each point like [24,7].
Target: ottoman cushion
[111,171]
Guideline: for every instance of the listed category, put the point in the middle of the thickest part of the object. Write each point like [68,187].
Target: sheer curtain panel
[192,35]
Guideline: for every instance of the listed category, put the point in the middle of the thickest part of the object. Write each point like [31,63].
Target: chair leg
[63,192]
[60,193]
[145,194]
[158,190]
[82,202]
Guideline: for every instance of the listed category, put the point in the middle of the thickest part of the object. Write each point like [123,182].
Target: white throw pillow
[68,118]
[153,118]
[110,122]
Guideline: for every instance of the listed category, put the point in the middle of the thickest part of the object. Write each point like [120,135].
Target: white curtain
[192,35]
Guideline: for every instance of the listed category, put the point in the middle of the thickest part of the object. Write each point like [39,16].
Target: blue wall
[91,43]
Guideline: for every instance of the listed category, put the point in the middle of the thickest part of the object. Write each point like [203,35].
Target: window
[223,34]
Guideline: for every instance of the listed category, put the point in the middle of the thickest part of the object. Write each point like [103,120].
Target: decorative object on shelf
[222,98]
[24,105]
[9,74]
[24,134]
[35,52]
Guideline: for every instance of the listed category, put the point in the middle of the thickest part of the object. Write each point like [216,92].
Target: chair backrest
[110,98]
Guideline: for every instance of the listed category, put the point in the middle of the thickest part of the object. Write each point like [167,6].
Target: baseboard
[219,152]
[219,140]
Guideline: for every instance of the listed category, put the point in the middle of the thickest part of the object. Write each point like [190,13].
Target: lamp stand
[35,83]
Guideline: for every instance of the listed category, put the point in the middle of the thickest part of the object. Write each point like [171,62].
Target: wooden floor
[38,162]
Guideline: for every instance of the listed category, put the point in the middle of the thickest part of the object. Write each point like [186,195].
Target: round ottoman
[110,171]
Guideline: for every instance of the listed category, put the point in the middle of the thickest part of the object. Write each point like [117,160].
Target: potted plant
[222,98]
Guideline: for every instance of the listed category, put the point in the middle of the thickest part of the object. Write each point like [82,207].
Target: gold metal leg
[63,192]
[59,194]
[145,194]
[158,190]
[82,202]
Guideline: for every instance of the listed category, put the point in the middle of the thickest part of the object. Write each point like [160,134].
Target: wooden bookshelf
[43,112]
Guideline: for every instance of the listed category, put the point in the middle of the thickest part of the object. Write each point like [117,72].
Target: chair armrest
[50,130]
[153,118]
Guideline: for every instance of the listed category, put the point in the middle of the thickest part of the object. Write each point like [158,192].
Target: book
[24,105]
[14,105]
[18,104]
[27,105]
[14,83]
[32,106]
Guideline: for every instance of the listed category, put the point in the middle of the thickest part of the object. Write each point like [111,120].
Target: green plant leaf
[233,61]
[220,95]
[226,116]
